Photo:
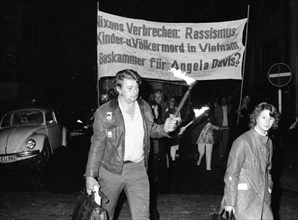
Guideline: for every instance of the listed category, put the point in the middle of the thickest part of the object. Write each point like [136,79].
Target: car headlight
[31,143]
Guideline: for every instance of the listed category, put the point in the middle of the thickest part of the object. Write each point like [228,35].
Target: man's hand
[91,182]
[171,123]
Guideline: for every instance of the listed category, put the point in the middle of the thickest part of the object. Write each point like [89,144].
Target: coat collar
[114,106]
[262,138]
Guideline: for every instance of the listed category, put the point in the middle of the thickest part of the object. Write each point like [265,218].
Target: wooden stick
[183,100]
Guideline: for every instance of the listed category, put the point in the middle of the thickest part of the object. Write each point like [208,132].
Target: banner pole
[98,82]
[243,66]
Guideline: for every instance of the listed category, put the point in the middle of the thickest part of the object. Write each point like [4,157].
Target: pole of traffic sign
[279,99]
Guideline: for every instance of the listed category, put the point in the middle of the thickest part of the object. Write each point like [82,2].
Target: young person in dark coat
[248,181]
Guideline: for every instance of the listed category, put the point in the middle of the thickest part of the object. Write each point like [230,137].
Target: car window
[6,120]
[35,117]
[22,117]
[16,119]
[49,118]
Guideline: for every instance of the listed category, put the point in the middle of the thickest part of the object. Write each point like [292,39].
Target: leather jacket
[108,139]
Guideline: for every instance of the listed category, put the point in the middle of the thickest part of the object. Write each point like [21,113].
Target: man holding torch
[120,146]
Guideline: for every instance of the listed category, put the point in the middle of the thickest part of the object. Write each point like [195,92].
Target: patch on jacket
[242,186]
[110,134]
[109,116]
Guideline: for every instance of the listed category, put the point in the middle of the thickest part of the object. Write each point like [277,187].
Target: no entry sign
[279,74]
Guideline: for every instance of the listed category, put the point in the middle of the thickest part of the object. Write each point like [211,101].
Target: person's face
[172,103]
[246,99]
[158,97]
[223,101]
[104,98]
[264,121]
[129,91]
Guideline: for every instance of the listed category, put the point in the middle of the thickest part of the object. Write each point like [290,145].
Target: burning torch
[190,81]
[198,113]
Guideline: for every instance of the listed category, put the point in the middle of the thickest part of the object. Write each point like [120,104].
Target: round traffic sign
[279,74]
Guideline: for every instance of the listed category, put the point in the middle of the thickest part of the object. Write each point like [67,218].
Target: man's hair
[127,74]
[259,108]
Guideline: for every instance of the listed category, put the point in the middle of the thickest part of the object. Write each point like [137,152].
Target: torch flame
[182,75]
[197,112]
[200,111]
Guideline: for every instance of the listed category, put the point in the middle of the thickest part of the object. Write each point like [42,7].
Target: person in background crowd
[120,146]
[163,180]
[104,97]
[154,161]
[185,147]
[173,142]
[222,116]
[204,138]
[215,102]
[159,99]
[248,182]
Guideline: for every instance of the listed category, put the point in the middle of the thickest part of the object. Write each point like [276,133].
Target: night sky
[57,54]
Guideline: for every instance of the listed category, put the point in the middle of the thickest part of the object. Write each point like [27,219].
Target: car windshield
[22,117]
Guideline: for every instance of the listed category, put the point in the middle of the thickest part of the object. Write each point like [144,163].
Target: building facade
[273,39]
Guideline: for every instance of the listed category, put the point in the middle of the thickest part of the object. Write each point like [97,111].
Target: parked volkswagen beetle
[30,134]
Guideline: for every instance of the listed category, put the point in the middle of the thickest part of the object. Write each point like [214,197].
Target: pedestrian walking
[222,116]
[248,182]
[173,142]
[120,146]
[203,133]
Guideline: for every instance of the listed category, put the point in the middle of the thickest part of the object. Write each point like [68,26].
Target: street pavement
[193,193]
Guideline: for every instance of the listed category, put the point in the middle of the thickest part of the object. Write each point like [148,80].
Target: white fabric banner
[205,51]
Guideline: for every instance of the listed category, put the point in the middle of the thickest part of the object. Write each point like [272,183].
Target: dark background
[48,48]
[56,62]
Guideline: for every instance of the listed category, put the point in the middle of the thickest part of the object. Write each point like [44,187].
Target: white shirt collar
[263,134]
